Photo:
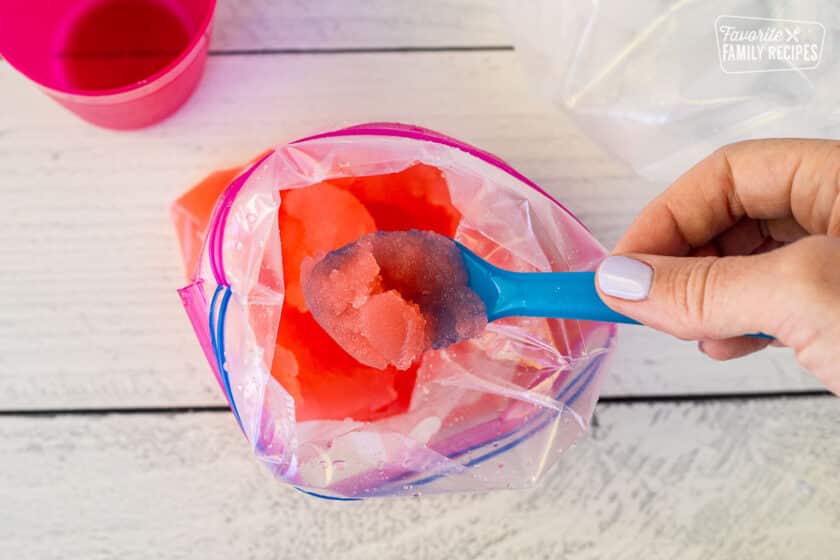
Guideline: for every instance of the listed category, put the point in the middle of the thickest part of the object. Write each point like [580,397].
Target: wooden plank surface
[90,320]
[90,264]
[360,24]
[747,480]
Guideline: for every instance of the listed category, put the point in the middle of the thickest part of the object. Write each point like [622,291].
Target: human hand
[748,240]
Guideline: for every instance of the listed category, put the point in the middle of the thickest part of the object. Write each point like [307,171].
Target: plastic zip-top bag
[663,83]
[490,412]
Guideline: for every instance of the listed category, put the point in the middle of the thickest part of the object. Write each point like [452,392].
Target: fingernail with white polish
[625,278]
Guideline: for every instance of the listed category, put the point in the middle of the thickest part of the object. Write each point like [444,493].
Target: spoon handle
[567,295]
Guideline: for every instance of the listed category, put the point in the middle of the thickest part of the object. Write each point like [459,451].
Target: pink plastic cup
[119,64]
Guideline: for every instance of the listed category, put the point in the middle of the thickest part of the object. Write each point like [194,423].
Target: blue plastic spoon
[561,295]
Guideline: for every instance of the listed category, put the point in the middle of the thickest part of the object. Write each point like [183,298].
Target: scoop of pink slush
[390,296]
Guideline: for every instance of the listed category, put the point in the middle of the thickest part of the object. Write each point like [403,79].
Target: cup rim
[187,51]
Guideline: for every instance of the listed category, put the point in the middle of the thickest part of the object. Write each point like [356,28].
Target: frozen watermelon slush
[327,381]
[389,296]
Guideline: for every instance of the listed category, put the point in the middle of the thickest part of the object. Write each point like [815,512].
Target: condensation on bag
[491,412]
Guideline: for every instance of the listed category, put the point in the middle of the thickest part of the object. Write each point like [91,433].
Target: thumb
[695,297]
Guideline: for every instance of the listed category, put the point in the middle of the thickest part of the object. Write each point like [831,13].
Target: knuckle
[833,218]
[825,210]
[816,197]
[693,290]
[728,149]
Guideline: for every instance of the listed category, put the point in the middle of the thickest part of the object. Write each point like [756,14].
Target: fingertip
[731,348]
[624,277]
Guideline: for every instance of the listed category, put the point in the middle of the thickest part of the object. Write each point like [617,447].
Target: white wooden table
[114,441]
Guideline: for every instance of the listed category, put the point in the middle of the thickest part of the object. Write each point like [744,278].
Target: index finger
[760,179]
